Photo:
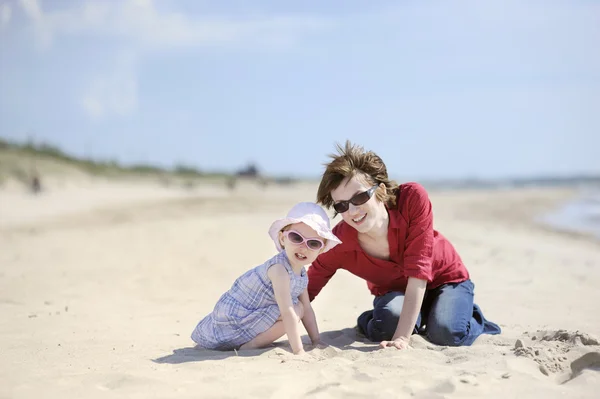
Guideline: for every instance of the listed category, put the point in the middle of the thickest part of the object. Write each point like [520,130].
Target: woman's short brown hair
[350,161]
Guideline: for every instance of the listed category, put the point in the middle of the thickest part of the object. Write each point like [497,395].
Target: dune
[101,286]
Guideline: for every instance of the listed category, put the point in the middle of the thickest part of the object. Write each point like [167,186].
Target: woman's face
[362,217]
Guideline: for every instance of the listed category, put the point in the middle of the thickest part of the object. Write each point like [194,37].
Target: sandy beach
[102,284]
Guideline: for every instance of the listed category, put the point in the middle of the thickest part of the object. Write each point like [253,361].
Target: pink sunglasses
[312,243]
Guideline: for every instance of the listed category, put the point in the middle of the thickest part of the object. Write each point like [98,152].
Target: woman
[418,279]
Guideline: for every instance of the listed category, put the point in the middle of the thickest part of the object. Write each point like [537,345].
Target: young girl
[269,300]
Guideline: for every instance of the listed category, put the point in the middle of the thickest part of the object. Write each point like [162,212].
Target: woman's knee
[383,325]
[447,333]
[450,316]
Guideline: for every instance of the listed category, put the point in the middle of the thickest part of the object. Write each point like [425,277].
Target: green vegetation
[22,161]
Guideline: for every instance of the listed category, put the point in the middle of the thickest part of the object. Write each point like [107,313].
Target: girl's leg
[453,319]
[276,331]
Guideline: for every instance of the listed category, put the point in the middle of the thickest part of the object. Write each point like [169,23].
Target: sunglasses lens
[361,198]
[340,207]
[358,199]
[295,238]
[314,244]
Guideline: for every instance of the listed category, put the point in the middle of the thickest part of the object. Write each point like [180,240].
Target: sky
[439,89]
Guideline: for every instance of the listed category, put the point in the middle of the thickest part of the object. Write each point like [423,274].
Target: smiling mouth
[360,219]
[300,256]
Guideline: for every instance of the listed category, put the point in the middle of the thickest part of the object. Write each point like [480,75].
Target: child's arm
[309,320]
[281,286]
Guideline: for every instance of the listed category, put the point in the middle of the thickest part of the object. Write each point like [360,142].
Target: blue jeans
[448,316]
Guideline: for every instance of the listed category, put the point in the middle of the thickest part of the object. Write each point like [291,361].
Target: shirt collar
[395,218]
[350,235]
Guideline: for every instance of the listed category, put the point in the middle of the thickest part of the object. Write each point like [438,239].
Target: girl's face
[302,244]
[355,200]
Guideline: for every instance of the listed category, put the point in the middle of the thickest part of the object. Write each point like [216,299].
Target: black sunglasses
[358,199]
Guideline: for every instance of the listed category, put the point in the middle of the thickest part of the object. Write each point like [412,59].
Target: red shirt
[416,250]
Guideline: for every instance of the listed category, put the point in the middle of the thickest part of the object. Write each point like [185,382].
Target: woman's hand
[398,343]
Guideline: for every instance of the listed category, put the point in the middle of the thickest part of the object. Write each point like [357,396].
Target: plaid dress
[247,309]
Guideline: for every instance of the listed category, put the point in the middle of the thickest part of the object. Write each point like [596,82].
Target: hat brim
[327,234]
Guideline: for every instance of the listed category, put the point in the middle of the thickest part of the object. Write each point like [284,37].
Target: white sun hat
[312,215]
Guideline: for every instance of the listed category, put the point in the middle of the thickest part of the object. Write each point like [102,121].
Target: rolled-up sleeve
[418,251]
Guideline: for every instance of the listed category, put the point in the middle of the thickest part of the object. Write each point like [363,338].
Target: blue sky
[440,89]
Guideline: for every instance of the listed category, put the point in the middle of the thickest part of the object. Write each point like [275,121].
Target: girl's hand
[398,343]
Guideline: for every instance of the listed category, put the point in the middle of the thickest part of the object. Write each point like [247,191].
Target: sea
[579,215]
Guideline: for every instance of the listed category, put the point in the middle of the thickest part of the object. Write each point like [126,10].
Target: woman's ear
[280,238]
[381,192]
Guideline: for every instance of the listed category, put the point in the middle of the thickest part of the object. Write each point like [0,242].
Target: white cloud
[464,37]
[41,26]
[5,15]
[32,9]
[114,94]
[139,23]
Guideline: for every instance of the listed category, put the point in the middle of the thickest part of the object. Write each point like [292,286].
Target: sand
[101,286]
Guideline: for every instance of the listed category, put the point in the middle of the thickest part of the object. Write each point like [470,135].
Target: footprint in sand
[589,361]
[119,381]
[552,350]
[439,390]
[361,376]
[323,387]
[575,338]
[344,337]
